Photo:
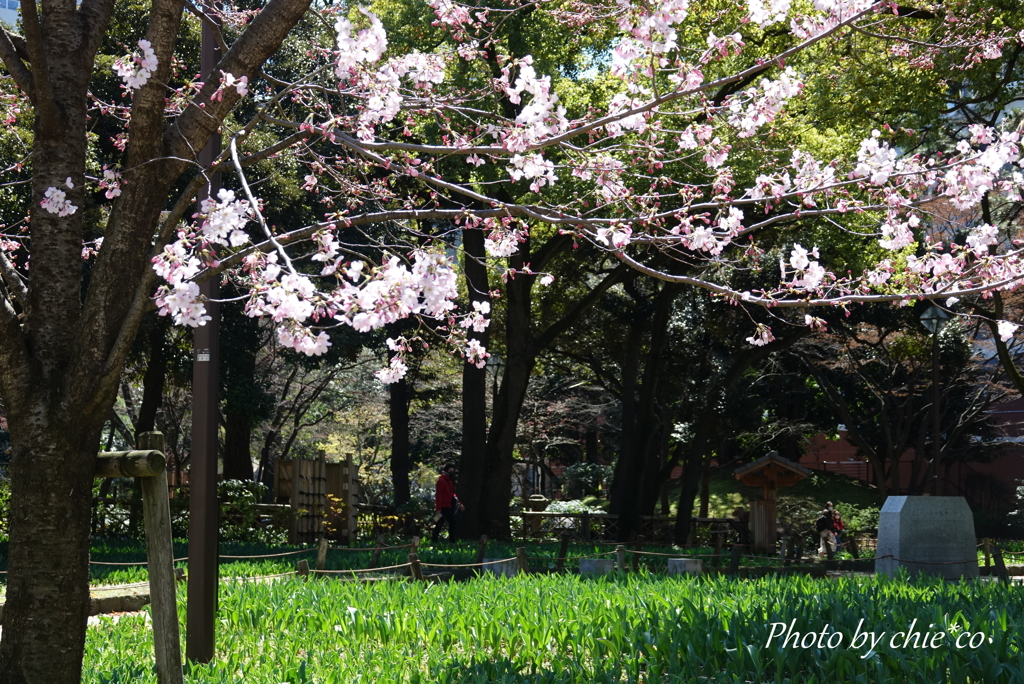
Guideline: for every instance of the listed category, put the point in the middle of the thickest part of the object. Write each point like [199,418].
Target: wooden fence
[305,485]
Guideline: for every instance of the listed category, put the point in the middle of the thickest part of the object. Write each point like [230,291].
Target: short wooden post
[414,566]
[302,568]
[997,556]
[524,564]
[481,550]
[620,558]
[854,549]
[160,552]
[586,526]
[375,558]
[636,556]
[719,540]
[734,560]
[321,555]
[563,551]
[987,547]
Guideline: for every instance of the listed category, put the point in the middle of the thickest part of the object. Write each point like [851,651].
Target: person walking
[446,504]
[826,533]
[837,528]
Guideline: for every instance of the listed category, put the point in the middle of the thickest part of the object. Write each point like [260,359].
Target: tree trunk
[47,601]
[690,484]
[501,442]
[522,348]
[63,342]
[153,381]
[237,443]
[705,488]
[473,461]
[630,377]
[399,412]
[639,488]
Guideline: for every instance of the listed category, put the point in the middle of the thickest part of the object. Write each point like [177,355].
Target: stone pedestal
[596,566]
[685,566]
[927,534]
[504,568]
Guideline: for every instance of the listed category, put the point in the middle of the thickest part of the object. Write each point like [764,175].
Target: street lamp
[933,319]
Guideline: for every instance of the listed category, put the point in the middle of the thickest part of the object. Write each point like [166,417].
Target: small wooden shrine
[771,471]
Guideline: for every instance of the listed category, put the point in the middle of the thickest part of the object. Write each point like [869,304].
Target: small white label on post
[202,357]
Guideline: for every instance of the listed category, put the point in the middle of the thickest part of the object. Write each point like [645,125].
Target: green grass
[563,629]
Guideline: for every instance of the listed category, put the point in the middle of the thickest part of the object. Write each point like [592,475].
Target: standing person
[838,526]
[826,533]
[446,503]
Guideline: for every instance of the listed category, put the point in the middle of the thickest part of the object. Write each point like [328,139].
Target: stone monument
[927,534]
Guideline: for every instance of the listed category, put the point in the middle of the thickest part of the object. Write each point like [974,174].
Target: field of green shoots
[556,629]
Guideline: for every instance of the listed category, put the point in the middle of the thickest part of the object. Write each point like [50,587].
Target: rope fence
[271,555]
[561,559]
[467,565]
[369,548]
[359,570]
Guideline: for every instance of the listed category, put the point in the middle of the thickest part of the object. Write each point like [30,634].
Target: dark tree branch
[42,93]
[13,60]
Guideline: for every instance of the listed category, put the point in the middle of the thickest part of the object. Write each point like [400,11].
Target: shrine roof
[772,458]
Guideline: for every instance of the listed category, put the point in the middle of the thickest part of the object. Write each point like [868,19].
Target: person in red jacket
[837,527]
[446,503]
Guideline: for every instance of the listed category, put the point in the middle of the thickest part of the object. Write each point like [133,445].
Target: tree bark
[61,359]
[523,347]
[630,377]
[153,380]
[690,484]
[47,601]
[237,438]
[473,462]
[639,486]
[398,407]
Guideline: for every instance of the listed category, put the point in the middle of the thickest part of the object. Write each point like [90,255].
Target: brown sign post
[203,511]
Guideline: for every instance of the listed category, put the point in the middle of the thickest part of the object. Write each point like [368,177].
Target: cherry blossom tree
[465,134]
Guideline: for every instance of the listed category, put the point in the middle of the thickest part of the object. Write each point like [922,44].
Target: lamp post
[933,319]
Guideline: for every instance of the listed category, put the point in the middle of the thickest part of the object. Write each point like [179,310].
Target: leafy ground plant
[564,629]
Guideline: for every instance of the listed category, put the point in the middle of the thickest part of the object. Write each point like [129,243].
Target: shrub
[240,519]
[582,479]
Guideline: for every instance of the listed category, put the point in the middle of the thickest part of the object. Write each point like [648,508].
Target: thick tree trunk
[398,408]
[630,378]
[237,446]
[522,349]
[62,353]
[47,601]
[501,439]
[690,484]
[639,487]
[473,461]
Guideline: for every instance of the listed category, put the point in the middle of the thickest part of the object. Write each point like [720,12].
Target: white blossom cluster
[137,68]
